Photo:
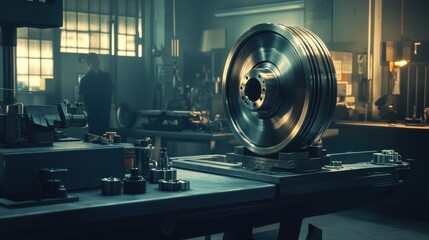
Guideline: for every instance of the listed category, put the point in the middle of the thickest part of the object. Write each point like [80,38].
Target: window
[86,27]
[129,28]
[34,58]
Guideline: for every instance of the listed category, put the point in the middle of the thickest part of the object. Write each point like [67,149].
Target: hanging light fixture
[397,54]
[175,39]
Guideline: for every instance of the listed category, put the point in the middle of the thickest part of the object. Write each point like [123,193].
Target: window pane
[33,33]
[95,40]
[70,21]
[105,41]
[22,66]
[104,51]
[83,50]
[94,22]
[131,46]
[83,40]
[63,39]
[105,23]
[43,82]
[122,42]
[82,21]
[122,53]
[140,50]
[47,49]
[71,50]
[140,28]
[34,48]
[71,39]
[34,83]
[122,24]
[131,26]
[48,67]
[22,82]
[21,48]
[34,66]
[22,33]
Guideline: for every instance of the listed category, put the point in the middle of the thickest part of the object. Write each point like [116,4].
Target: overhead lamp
[398,53]
[262,8]
[400,63]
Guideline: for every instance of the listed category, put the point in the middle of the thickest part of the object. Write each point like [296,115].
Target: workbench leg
[290,228]
[240,233]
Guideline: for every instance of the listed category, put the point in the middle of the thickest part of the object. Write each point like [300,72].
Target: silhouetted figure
[95,90]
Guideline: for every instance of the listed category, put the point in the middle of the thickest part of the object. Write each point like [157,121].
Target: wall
[130,83]
[237,25]
[194,16]
[318,17]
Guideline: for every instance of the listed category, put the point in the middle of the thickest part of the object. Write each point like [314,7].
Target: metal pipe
[417,91]
[425,87]
[408,92]
[8,42]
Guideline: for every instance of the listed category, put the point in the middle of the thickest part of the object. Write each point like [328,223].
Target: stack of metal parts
[163,169]
[387,157]
[158,172]
[166,176]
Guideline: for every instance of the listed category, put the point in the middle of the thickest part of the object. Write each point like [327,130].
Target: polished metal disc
[279,88]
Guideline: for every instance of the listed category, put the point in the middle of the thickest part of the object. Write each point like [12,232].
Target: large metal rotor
[280,88]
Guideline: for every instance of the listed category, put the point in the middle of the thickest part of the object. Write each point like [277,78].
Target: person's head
[93,62]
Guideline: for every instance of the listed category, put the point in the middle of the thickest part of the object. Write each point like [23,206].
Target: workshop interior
[247,119]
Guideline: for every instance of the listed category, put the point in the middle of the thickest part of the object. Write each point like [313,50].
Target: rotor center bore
[259,89]
[253,89]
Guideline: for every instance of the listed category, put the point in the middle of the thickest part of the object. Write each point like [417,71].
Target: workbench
[214,204]
[410,141]
[199,142]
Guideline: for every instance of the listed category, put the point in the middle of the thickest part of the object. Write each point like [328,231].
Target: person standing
[95,91]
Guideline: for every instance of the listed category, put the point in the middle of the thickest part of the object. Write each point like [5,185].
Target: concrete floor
[358,224]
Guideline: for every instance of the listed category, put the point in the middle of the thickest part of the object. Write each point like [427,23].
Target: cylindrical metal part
[377,157]
[163,162]
[143,155]
[174,185]
[166,174]
[135,184]
[111,186]
[117,139]
[130,155]
[78,120]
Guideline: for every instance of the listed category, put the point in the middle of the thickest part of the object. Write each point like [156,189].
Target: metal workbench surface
[188,135]
[208,191]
